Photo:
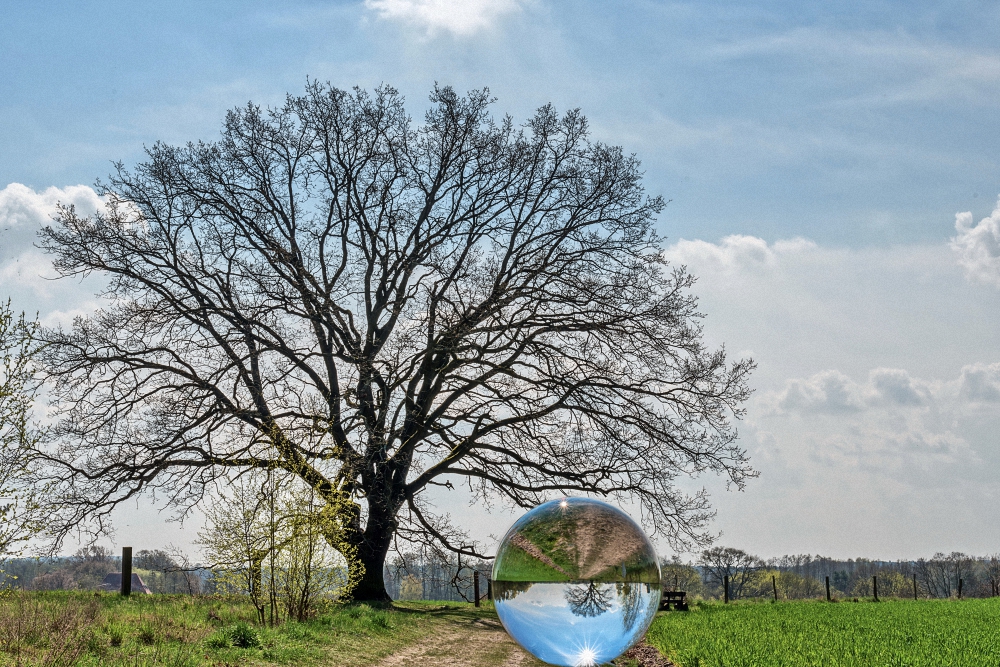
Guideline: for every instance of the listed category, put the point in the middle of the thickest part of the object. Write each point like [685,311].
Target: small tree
[738,565]
[411,588]
[306,568]
[991,566]
[677,575]
[939,576]
[19,484]
[235,539]
[90,564]
[789,585]
[268,538]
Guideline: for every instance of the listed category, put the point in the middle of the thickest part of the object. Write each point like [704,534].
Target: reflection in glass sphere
[576,582]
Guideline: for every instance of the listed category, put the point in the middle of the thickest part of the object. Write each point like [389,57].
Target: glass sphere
[576,582]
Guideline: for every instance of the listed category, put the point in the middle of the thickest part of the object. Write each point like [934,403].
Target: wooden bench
[676,598]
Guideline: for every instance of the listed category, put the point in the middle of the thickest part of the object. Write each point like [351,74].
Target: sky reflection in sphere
[576,582]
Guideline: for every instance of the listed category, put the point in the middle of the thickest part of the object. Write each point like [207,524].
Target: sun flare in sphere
[586,658]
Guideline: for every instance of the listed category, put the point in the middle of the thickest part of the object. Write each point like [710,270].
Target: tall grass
[48,632]
[65,629]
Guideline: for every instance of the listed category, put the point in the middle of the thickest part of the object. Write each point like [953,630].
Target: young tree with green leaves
[19,492]
[266,537]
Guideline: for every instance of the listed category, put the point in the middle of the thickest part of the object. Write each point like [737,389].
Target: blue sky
[854,123]
[815,156]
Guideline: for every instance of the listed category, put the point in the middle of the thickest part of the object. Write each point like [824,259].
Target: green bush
[244,636]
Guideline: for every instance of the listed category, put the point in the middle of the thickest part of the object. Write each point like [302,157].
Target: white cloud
[833,392]
[459,17]
[980,383]
[735,253]
[889,390]
[26,273]
[895,386]
[978,247]
[30,270]
[23,212]
[65,318]
[888,465]
[829,391]
[803,307]
[873,432]
[20,205]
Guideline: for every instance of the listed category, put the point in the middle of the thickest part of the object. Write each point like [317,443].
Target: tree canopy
[377,307]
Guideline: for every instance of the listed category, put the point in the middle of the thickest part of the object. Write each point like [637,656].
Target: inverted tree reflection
[590,599]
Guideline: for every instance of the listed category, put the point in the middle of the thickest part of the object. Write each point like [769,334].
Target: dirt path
[463,637]
[460,641]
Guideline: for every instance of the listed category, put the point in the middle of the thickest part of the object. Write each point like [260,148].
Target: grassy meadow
[84,629]
[897,633]
[63,628]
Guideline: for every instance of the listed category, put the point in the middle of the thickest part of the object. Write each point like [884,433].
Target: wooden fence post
[774,585]
[475,586]
[828,589]
[489,589]
[725,586]
[914,586]
[875,587]
[126,571]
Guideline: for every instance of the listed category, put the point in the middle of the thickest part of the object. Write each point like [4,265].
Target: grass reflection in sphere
[576,582]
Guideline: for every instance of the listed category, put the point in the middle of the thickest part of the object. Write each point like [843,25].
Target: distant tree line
[428,574]
[162,572]
[802,576]
[425,573]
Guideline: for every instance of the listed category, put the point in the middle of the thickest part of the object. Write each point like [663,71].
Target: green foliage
[244,636]
[219,639]
[679,576]
[19,512]
[890,585]
[146,633]
[791,586]
[272,539]
[806,634]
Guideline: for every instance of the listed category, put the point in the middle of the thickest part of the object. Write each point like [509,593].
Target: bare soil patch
[460,640]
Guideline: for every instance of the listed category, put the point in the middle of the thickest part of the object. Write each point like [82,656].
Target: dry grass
[46,632]
[87,630]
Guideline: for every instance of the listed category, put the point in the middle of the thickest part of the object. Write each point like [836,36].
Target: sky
[833,171]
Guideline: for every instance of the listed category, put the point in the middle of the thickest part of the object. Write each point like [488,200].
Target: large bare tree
[380,306]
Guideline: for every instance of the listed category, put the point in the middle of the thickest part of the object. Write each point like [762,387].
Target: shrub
[244,636]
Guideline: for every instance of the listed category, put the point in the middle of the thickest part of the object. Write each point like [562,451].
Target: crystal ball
[576,582]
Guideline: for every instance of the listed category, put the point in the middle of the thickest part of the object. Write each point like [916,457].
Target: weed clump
[147,634]
[218,640]
[244,636]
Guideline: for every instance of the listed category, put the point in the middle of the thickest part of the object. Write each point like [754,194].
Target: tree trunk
[372,551]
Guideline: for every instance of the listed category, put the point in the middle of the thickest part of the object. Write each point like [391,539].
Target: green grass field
[925,633]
